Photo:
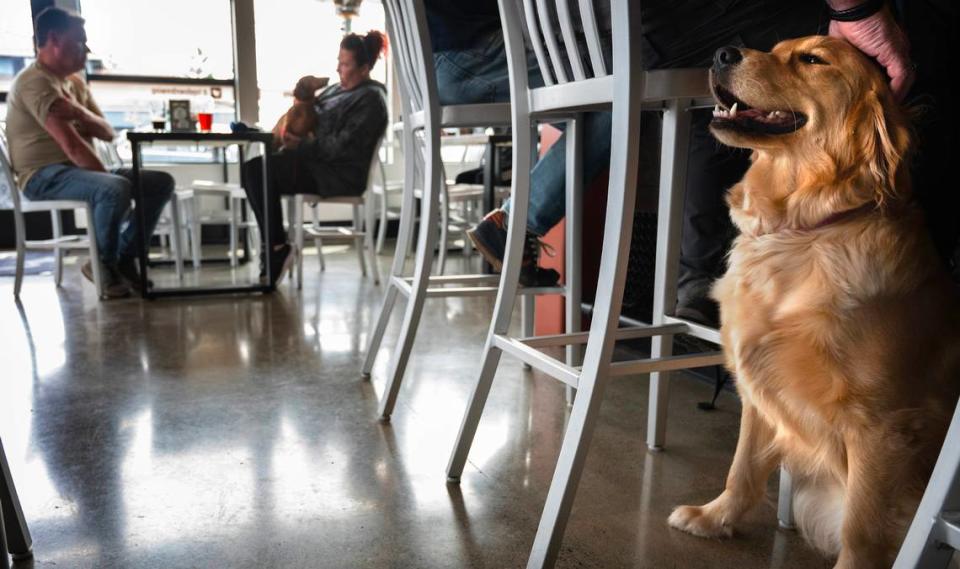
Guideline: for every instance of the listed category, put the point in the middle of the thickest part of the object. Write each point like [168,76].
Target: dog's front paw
[699,521]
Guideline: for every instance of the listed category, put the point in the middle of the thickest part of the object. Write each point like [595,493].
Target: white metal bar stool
[575,89]
[423,119]
[934,534]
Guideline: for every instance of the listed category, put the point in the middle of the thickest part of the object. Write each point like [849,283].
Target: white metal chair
[934,534]
[196,216]
[423,119]
[14,534]
[360,231]
[60,243]
[575,89]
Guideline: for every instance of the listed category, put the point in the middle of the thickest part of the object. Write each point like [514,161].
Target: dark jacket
[350,125]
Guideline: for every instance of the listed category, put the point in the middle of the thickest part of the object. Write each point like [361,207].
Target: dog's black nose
[727,57]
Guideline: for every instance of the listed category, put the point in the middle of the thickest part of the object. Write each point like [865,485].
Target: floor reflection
[237,432]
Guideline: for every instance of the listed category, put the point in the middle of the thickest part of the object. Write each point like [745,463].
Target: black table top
[149,136]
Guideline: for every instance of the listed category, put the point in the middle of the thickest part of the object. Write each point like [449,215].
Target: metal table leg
[489,172]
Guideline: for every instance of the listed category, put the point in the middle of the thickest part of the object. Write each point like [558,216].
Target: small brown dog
[838,320]
[301,119]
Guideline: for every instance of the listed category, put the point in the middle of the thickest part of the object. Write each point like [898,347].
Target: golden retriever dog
[837,317]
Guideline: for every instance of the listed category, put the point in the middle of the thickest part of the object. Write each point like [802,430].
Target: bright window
[302,37]
[174,38]
[145,54]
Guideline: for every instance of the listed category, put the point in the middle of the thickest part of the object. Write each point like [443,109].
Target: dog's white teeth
[733,110]
[773,114]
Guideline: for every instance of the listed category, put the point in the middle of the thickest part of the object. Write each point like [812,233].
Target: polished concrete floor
[237,432]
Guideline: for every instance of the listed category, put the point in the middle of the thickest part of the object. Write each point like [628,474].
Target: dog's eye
[811,59]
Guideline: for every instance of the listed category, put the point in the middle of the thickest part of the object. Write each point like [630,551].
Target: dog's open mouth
[733,114]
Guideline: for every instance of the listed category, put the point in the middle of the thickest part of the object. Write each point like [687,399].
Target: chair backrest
[9,193]
[417,78]
[559,55]
[412,55]
[108,154]
[558,37]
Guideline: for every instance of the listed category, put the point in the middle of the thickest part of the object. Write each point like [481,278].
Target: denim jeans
[479,75]
[109,196]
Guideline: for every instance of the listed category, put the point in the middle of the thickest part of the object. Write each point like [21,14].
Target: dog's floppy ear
[886,146]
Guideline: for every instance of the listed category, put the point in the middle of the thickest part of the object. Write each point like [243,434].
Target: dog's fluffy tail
[818,511]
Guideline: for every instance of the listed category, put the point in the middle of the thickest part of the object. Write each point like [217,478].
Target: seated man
[348,120]
[51,122]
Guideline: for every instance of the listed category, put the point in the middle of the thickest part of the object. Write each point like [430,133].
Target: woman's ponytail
[366,49]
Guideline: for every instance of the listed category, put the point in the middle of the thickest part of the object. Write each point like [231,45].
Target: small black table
[220,139]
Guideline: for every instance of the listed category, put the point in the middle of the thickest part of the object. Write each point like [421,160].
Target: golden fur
[837,318]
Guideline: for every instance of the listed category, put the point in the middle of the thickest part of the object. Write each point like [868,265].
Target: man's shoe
[128,270]
[489,237]
[114,285]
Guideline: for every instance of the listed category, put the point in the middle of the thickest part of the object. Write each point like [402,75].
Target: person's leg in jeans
[109,198]
[548,179]
[157,188]
[479,74]
[548,183]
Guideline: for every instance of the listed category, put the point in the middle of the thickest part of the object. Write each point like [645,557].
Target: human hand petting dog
[879,36]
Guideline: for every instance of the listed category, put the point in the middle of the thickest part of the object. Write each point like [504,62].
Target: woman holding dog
[334,159]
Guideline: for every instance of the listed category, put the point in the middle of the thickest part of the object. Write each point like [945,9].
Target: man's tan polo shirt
[33,92]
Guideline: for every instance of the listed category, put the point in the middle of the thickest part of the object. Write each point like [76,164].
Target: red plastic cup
[205,121]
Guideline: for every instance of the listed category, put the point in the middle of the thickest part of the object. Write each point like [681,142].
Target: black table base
[136,140]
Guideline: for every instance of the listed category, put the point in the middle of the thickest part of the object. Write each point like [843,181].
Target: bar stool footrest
[441,289]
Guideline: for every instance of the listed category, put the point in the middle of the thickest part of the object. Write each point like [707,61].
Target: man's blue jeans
[109,196]
[479,75]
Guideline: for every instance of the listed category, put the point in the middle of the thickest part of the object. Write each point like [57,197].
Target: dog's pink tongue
[755,114]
